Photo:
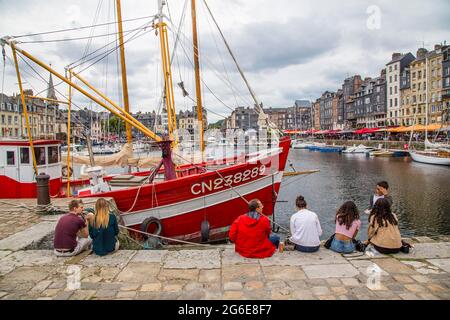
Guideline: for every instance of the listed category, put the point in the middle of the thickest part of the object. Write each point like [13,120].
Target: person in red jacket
[251,233]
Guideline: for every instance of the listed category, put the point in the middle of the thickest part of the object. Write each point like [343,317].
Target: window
[10,158]
[390,68]
[39,152]
[396,67]
[396,103]
[414,75]
[395,78]
[396,90]
[9,119]
[390,90]
[52,154]
[390,104]
[390,79]
[24,155]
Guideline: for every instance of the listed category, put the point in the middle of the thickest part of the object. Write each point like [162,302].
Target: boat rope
[76,39]
[172,239]
[212,66]
[80,28]
[258,106]
[4,70]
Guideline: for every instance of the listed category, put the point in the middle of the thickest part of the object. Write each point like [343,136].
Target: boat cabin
[17,176]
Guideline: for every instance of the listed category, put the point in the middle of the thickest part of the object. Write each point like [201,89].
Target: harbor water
[421,192]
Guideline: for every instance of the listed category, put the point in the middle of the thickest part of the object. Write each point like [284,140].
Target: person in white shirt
[305,228]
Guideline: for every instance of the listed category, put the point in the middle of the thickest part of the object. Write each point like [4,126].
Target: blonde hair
[101,218]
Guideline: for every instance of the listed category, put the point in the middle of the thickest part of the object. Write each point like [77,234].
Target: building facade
[394,70]
[446,80]
[434,85]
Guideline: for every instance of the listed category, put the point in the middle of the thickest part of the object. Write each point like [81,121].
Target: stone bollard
[43,190]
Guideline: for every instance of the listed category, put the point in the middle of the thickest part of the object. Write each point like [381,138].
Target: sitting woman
[103,229]
[383,232]
[305,228]
[347,227]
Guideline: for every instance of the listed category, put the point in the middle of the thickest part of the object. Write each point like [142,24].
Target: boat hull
[218,197]
[422,158]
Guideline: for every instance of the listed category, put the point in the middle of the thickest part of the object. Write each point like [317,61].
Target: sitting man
[251,233]
[71,233]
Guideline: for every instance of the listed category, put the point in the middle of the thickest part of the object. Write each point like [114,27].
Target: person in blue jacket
[103,229]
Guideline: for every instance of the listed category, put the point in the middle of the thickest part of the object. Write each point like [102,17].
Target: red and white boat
[188,197]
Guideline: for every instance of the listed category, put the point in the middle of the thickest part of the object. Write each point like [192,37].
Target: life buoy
[147,223]
[66,171]
[205,230]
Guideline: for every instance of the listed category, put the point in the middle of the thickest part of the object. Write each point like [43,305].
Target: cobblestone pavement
[15,219]
[220,273]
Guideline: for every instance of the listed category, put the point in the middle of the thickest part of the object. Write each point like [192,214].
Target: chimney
[396,55]
[421,53]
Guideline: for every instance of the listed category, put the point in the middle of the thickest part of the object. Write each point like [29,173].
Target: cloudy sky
[289,49]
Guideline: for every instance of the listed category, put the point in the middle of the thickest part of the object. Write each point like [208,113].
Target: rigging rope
[80,28]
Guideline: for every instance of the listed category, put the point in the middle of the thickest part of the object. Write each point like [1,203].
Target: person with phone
[381,191]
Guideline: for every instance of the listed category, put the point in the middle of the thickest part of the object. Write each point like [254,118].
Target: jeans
[306,249]
[275,239]
[341,246]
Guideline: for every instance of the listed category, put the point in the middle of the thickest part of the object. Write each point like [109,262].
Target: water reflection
[420,192]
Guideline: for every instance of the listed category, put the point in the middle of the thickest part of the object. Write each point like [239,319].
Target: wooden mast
[24,107]
[168,83]
[123,69]
[197,76]
[69,106]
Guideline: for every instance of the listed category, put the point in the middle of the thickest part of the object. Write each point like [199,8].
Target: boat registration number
[227,181]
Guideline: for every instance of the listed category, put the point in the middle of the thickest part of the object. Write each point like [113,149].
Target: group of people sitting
[78,230]
[252,235]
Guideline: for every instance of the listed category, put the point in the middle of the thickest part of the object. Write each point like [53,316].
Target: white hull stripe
[183,207]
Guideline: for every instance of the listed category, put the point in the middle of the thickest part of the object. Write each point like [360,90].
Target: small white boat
[381,153]
[431,157]
[358,149]
[103,149]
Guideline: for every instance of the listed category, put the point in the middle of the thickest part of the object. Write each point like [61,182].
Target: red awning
[366,130]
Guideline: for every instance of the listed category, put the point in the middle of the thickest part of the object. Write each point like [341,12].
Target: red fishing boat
[182,201]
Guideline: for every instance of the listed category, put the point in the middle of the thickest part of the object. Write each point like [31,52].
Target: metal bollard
[43,190]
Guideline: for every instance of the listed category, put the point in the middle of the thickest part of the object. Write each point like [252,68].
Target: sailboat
[176,201]
[431,155]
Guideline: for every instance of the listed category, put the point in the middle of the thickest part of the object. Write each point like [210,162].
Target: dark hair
[253,205]
[347,213]
[300,202]
[381,211]
[75,203]
[383,184]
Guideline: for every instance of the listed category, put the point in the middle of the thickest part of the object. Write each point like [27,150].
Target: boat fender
[147,223]
[66,171]
[205,230]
